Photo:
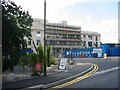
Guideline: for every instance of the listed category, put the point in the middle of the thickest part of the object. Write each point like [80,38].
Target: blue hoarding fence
[27,51]
[80,53]
[111,49]
[106,49]
[115,51]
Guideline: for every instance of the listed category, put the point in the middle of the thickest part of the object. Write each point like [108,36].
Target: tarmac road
[106,80]
[102,80]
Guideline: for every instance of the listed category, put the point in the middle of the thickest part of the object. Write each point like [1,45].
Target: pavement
[54,77]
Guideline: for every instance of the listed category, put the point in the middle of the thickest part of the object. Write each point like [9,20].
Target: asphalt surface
[103,64]
[107,80]
[56,76]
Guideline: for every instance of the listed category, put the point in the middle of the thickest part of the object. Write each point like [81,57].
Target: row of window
[63,43]
[61,27]
[90,37]
[64,36]
[90,44]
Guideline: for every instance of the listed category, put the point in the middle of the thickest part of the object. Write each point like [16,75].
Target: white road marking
[105,71]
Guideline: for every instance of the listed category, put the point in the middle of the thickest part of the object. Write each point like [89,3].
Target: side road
[51,79]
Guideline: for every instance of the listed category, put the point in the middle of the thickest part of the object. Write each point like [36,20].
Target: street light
[45,38]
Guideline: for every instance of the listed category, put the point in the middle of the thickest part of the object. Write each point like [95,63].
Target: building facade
[90,39]
[61,36]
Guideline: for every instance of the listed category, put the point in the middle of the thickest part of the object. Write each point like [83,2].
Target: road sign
[38,67]
[97,50]
[63,63]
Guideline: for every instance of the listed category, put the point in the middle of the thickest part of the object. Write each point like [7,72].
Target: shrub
[5,63]
[40,54]
[52,60]
[23,61]
[48,55]
[32,60]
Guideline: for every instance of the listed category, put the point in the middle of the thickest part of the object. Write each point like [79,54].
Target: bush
[52,60]
[40,54]
[48,56]
[32,60]
[23,61]
[5,63]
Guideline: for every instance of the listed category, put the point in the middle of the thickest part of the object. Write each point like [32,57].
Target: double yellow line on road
[79,78]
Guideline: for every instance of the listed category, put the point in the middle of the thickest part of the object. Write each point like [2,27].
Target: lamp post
[45,38]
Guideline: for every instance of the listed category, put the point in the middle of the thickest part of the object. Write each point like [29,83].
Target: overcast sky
[92,15]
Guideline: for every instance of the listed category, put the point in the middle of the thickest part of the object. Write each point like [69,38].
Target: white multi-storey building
[90,39]
[61,36]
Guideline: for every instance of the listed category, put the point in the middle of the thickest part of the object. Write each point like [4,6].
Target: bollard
[105,56]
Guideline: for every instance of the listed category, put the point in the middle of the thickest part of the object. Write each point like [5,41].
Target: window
[84,42]
[64,42]
[64,36]
[48,35]
[75,36]
[48,42]
[57,35]
[38,34]
[84,36]
[90,44]
[75,43]
[90,37]
[38,42]
[96,38]
[51,42]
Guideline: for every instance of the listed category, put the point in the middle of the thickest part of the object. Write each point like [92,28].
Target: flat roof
[90,32]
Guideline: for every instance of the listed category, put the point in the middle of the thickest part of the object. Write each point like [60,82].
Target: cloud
[55,8]
[89,18]
[108,28]
[56,11]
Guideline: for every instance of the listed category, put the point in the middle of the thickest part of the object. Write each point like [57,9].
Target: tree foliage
[16,24]
[23,61]
[40,53]
[48,55]
[32,61]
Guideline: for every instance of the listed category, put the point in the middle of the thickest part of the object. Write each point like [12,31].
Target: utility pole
[45,38]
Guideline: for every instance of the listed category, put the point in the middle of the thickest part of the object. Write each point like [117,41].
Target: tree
[16,24]
[40,54]
[48,55]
